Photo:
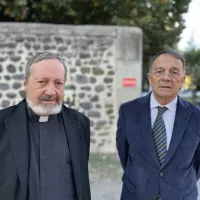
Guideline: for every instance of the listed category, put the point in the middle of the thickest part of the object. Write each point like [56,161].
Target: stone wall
[95,55]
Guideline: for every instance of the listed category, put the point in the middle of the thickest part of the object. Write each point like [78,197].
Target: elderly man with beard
[44,146]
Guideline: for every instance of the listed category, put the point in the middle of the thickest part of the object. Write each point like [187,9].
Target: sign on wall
[129,82]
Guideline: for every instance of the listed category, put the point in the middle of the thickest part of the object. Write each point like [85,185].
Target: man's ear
[25,85]
[149,78]
[183,81]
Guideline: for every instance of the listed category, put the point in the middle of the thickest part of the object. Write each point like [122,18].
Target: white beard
[44,109]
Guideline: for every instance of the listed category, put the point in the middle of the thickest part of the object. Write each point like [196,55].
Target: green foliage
[160,20]
[192,57]
[15,10]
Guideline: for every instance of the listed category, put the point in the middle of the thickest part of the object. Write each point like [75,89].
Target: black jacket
[14,151]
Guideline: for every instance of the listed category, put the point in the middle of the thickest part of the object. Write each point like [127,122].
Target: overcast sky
[192,23]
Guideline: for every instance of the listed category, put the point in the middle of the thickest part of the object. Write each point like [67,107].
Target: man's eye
[41,83]
[59,83]
[174,72]
[159,72]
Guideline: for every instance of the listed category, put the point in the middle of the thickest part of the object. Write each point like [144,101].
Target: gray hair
[171,52]
[39,57]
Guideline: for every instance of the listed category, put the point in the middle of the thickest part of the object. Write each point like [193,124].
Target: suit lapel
[16,127]
[144,117]
[181,120]
[72,129]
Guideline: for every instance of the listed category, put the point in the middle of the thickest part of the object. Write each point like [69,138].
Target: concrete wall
[98,58]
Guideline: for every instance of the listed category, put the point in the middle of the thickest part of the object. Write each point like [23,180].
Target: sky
[192,22]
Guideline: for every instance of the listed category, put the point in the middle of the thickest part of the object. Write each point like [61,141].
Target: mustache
[48,97]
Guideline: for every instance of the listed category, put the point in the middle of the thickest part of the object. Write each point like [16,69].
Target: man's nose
[167,76]
[50,89]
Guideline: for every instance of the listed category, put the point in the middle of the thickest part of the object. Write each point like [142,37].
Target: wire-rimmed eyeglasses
[160,73]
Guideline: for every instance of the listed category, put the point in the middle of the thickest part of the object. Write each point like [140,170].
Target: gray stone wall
[93,55]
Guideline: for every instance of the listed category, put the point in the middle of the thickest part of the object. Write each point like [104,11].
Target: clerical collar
[38,118]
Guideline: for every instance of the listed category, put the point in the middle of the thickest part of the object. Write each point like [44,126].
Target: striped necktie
[159,135]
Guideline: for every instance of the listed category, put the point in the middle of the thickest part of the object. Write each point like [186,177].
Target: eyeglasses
[160,73]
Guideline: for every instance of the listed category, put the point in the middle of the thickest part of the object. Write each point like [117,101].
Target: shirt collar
[171,106]
[38,118]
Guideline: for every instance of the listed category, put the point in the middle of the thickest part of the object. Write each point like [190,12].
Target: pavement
[105,189]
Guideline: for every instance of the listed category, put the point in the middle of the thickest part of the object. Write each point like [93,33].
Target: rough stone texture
[18,76]
[78,62]
[111,72]
[16,85]
[101,123]
[99,88]
[86,106]
[108,105]
[4,103]
[95,98]
[11,68]
[72,70]
[87,88]
[81,79]
[84,55]
[4,86]
[85,70]
[108,80]
[2,59]
[98,71]
[98,106]
[94,114]
[93,80]
[81,95]
[22,94]
[15,58]
[7,78]
[97,57]
[11,95]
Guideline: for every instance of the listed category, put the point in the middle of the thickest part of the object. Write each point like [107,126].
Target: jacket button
[161,174]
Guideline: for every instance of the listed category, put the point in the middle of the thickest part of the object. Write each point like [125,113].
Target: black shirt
[50,170]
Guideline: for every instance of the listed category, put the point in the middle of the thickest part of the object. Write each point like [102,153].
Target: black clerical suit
[15,149]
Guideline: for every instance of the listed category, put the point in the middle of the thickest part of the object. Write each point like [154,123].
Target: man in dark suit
[158,137]
[44,146]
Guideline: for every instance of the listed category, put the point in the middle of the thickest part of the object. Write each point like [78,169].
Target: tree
[192,56]
[161,20]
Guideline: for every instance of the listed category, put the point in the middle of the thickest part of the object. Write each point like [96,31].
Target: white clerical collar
[43,118]
[38,118]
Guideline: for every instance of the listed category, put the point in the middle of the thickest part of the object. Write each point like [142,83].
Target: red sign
[129,82]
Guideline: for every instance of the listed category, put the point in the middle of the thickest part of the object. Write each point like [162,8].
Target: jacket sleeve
[121,140]
[87,137]
[197,161]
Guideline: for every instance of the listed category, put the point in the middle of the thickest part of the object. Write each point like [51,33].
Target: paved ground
[105,177]
[105,189]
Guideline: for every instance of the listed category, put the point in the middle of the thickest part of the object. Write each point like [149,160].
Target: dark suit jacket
[14,151]
[143,177]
